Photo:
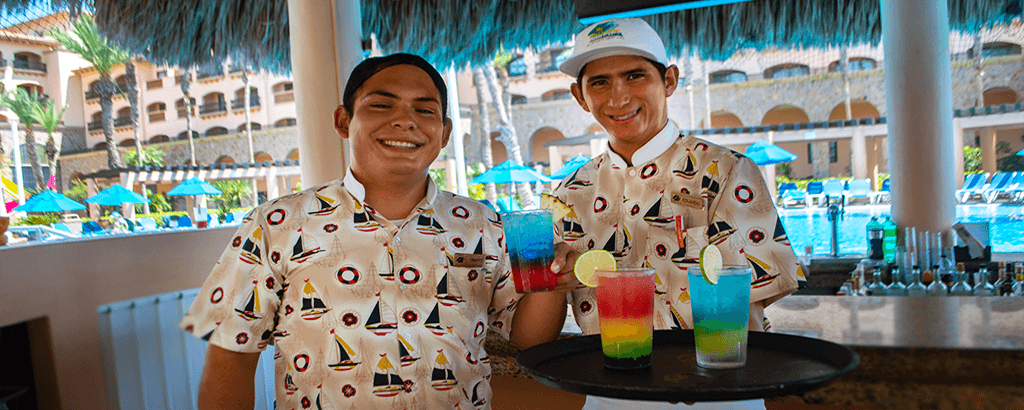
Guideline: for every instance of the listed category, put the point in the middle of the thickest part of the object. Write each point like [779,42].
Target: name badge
[468,260]
[688,201]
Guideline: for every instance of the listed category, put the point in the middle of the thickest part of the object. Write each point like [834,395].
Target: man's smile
[625,117]
[400,144]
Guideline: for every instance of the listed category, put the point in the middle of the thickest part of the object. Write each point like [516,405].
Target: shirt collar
[358,191]
[652,149]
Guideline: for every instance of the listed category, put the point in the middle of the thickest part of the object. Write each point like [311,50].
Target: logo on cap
[607,29]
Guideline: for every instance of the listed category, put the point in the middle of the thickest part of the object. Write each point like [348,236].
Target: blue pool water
[811,227]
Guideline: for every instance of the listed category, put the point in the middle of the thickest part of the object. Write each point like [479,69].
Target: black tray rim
[848,361]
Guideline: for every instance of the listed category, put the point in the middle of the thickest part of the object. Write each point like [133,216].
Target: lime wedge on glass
[589,262]
[710,263]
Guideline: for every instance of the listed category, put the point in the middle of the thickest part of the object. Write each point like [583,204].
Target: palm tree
[23,105]
[186,81]
[501,99]
[132,89]
[483,129]
[48,116]
[86,41]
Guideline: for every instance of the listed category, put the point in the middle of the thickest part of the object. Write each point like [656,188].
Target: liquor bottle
[924,252]
[876,288]
[889,240]
[947,266]
[916,288]
[981,285]
[937,288]
[875,237]
[1018,279]
[960,288]
[1003,285]
[896,287]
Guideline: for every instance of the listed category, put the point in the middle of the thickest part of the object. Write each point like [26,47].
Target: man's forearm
[538,319]
[227,381]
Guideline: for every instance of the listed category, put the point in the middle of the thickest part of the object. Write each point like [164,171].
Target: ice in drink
[625,306]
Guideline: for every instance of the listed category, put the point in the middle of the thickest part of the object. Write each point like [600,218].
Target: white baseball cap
[614,37]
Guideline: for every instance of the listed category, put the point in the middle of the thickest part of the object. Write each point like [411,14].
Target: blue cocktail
[720,316]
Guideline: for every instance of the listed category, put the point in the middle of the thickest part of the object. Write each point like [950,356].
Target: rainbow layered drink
[625,307]
[720,316]
[530,239]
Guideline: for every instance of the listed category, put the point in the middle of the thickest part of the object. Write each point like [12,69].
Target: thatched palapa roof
[255,32]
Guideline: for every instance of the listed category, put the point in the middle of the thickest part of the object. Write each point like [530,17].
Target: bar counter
[916,352]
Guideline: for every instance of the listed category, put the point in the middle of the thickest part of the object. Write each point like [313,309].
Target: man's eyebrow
[428,99]
[381,93]
[640,70]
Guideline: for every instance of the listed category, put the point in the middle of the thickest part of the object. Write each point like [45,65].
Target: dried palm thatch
[255,32]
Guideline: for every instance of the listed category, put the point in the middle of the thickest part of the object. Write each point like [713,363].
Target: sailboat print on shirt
[322,205]
[344,359]
[289,384]
[251,250]
[689,167]
[433,322]
[442,378]
[249,308]
[779,236]
[363,221]
[313,306]
[479,250]
[405,350]
[654,214]
[385,382]
[571,228]
[427,225]
[573,183]
[475,399]
[761,276]
[448,292]
[382,319]
[709,186]
[305,247]
[719,231]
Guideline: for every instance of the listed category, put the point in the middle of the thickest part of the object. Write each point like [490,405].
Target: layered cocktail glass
[720,316]
[530,239]
[625,307]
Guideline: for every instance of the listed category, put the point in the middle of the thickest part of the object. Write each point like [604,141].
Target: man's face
[397,127]
[627,96]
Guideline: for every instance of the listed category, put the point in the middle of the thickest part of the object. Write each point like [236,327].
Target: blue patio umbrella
[49,201]
[1021,152]
[509,171]
[570,167]
[766,153]
[116,195]
[194,186]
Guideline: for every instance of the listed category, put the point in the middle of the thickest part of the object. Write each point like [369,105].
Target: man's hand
[563,263]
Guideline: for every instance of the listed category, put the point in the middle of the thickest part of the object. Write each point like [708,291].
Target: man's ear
[447,132]
[341,121]
[671,79]
[577,93]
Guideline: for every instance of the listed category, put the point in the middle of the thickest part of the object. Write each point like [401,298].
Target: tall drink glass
[530,239]
[625,308]
[720,316]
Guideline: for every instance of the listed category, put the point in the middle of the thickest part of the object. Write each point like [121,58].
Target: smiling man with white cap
[656,197]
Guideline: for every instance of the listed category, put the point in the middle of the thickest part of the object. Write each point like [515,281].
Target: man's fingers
[558,262]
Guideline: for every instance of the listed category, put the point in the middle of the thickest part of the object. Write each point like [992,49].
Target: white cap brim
[572,65]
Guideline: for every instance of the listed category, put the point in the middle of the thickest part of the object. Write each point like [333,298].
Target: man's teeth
[625,116]
[400,144]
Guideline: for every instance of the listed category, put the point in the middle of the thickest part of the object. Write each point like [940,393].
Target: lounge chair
[793,196]
[786,186]
[974,184]
[859,188]
[91,228]
[229,218]
[815,190]
[1009,186]
[184,222]
[834,189]
[882,193]
[147,224]
[61,226]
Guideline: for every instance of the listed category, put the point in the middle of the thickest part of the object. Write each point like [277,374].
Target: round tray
[777,365]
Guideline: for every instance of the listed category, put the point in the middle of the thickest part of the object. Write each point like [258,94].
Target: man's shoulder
[705,148]
[328,195]
[450,201]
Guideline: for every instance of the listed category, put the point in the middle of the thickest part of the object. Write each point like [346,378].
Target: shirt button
[408,335]
[632,172]
[402,286]
[398,241]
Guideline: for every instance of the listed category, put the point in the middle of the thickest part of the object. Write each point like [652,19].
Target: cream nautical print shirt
[681,194]
[363,313]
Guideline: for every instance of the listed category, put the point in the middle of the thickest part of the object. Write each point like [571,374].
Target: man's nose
[404,119]
[620,94]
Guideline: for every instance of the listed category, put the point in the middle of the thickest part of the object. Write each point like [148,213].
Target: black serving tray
[777,365]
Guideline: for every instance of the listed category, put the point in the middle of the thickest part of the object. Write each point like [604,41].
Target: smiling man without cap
[357,282]
[656,197]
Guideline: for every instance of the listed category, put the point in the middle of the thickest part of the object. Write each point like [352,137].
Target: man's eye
[379,105]
[598,82]
[636,76]
[425,111]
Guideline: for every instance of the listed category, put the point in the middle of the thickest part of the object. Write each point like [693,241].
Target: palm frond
[47,115]
[23,105]
[86,41]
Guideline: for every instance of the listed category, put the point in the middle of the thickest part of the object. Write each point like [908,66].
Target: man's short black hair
[661,71]
[374,65]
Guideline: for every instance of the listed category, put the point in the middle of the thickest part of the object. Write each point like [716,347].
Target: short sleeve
[236,308]
[746,226]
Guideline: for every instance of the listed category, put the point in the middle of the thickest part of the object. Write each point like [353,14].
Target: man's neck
[394,198]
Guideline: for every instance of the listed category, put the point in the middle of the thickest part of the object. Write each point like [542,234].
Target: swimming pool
[810,226]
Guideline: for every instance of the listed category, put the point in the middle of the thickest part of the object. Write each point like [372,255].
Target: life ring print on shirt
[756,235]
[409,275]
[275,217]
[301,362]
[460,212]
[648,171]
[348,275]
[600,205]
[217,295]
[744,194]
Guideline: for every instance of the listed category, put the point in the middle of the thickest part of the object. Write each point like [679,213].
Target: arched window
[29,61]
[555,95]
[255,127]
[518,99]
[787,70]
[856,64]
[727,76]
[213,103]
[283,92]
[96,122]
[91,93]
[184,135]
[122,83]
[216,131]
[239,102]
[517,66]
[100,147]
[262,156]
[285,122]
[224,159]
[159,139]
[180,106]
[130,142]
[996,49]
[293,155]
[156,111]
[33,88]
